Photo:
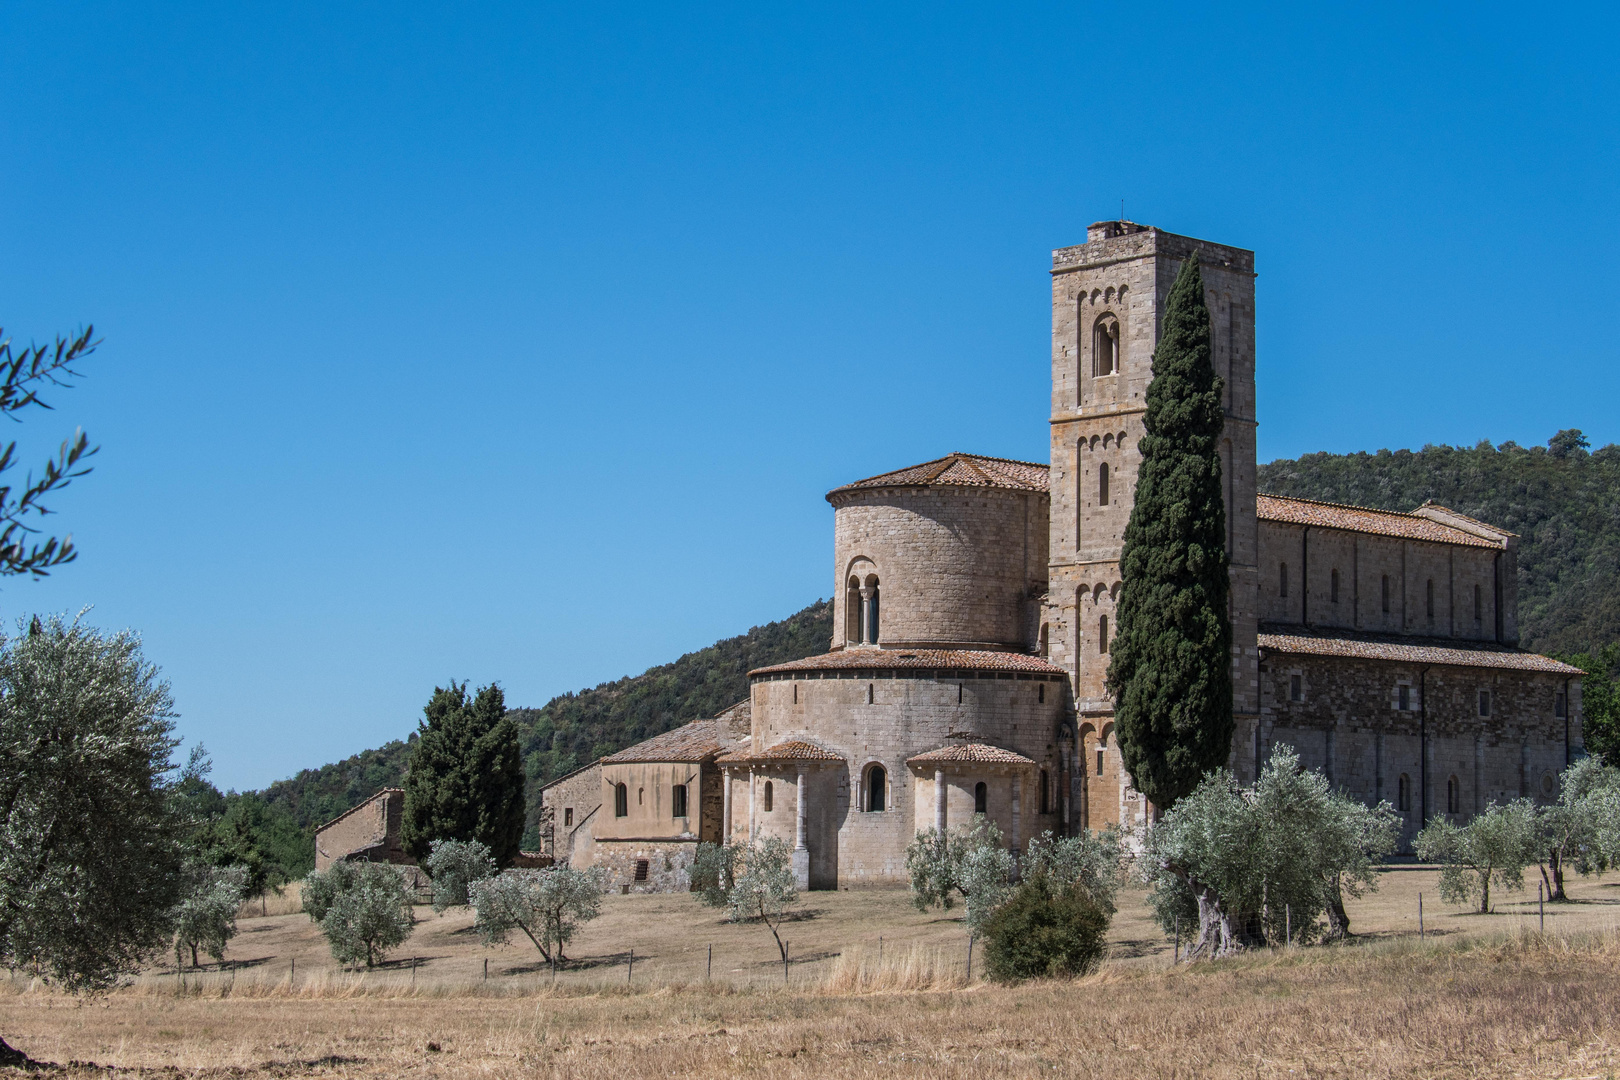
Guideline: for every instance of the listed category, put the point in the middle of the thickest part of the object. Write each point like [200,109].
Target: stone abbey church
[973,603]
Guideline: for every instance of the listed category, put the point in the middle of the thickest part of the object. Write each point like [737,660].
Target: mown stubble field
[1480,996]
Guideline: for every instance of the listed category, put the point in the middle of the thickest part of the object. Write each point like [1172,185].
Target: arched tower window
[1102,484]
[1333,585]
[621,800]
[1453,796]
[1282,580]
[981,798]
[1102,634]
[1403,794]
[768,794]
[1105,345]
[877,789]
[852,611]
[871,608]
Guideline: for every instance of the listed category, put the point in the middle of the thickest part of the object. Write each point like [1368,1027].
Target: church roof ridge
[1292,510]
[960,469]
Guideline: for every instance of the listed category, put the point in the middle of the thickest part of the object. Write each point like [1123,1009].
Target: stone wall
[1349,723]
[956,566]
[569,809]
[668,864]
[371,830]
[906,716]
[649,801]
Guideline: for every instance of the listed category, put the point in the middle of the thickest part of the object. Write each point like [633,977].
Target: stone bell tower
[1107,295]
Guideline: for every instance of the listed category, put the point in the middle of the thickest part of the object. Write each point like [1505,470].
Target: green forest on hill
[1562,499]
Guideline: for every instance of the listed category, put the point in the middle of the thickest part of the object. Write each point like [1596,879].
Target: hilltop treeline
[1562,500]
[575,729]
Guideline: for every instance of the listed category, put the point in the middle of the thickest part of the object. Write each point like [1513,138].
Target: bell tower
[1106,299]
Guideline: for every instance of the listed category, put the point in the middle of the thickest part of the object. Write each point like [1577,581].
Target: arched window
[1333,585]
[677,801]
[621,800]
[1282,580]
[1105,346]
[1385,589]
[1046,793]
[1479,605]
[981,798]
[1428,591]
[768,794]
[1403,794]
[852,611]
[1453,796]
[872,611]
[1102,633]
[1102,484]
[877,789]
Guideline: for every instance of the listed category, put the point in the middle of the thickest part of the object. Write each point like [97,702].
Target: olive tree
[1251,866]
[764,887]
[970,860]
[1493,848]
[1089,861]
[547,906]
[363,908]
[1581,829]
[455,866]
[90,846]
[205,918]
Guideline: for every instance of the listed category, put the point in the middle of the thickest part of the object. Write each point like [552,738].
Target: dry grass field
[1478,996]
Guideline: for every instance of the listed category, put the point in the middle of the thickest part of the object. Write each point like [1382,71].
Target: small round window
[1549,784]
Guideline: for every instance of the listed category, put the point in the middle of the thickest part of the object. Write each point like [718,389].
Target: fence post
[786,945]
[1420,916]
[708,972]
[970,958]
[486,969]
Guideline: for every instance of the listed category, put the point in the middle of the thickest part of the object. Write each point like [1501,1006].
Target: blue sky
[521,342]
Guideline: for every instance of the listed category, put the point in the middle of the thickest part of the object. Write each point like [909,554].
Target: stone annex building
[973,603]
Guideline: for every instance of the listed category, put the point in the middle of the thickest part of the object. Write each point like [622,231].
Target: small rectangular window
[568,816]
[1559,708]
[1295,692]
[1484,703]
[641,869]
[1404,696]
[677,800]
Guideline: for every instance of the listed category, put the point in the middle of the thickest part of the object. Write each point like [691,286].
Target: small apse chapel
[973,603]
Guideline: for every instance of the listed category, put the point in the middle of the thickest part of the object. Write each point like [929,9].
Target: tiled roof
[1361,519]
[789,750]
[878,659]
[961,470]
[700,740]
[1411,650]
[969,754]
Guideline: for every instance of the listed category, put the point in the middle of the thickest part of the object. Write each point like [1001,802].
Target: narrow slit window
[1102,634]
[1453,796]
[1295,692]
[1099,761]
[1102,484]
[1403,697]
[769,792]
[1558,706]
[1403,794]
[981,798]
[1484,703]
[621,800]
[1282,580]
[1046,805]
[568,816]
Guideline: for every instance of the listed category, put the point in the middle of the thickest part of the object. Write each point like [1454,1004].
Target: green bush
[1044,932]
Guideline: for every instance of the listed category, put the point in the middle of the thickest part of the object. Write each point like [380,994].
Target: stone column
[801,854]
[725,804]
[939,801]
[1065,784]
[753,817]
[866,614]
[1017,809]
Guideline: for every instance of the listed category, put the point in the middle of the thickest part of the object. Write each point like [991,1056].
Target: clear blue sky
[521,342]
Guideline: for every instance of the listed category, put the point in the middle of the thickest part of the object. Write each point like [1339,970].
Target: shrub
[546,906]
[455,866]
[205,918]
[1043,931]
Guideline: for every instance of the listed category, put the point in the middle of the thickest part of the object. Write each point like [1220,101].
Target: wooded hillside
[1563,501]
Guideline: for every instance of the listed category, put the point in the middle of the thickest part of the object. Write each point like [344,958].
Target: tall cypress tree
[465,777]
[1170,669]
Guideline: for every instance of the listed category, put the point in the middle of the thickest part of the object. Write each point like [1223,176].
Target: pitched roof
[788,750]
[969,754]
[1445,651]
[960,470]
[1379,522]
[700,740]
[867,659]
[378,794]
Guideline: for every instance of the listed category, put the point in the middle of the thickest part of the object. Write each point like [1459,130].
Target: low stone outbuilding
[369,832]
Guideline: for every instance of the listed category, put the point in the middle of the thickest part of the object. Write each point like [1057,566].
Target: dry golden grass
[1480,996]
[289,900]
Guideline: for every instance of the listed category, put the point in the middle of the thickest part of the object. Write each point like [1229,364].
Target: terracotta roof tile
[1446,651]
[913,659]
[789,750]
[700,740]
[1363,520]
[969,754]
[960,470]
